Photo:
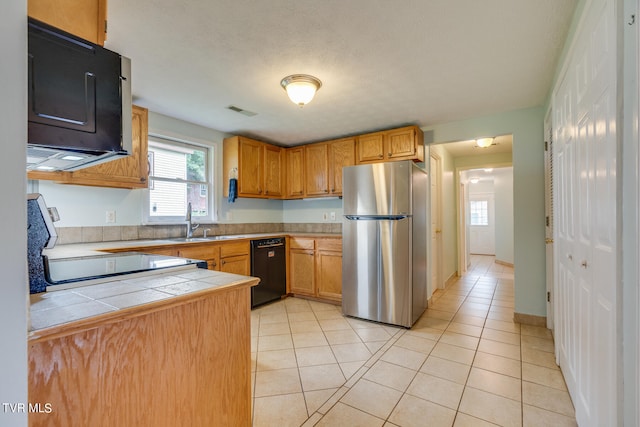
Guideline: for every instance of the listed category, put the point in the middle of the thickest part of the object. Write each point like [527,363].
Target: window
[179,173]
[479,211]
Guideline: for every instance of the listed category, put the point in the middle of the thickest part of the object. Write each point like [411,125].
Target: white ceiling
[382,63]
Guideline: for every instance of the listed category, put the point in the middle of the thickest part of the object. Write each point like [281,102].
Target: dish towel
[233,190]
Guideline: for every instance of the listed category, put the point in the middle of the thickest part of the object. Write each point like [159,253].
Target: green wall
[526,126]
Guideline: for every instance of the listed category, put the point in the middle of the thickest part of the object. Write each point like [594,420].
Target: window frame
[210,148]
[479,200]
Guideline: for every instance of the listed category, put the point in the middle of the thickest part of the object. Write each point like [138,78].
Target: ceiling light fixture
[484,142]
[474,180]
[301,88]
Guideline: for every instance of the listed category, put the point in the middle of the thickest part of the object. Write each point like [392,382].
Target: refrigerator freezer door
[377,189]
[376,273]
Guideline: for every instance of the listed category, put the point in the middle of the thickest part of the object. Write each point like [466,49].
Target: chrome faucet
[190,227]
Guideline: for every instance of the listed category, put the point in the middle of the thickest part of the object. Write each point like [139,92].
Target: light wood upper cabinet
[316,160]
[405,143]
[259,166]
[128,172]
[250,168]
[312,170]
[273,171]
[371,147]
[341,154]
[295,173]
[84,18]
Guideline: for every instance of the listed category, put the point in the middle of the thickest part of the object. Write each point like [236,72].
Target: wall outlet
[110,217]
[332,216]
[325,216]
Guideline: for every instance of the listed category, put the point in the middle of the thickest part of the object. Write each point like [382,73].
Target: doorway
[449,204]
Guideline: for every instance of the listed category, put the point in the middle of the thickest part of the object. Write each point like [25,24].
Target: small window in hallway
[479,211]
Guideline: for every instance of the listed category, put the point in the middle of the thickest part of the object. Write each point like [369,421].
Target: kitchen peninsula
[161,349]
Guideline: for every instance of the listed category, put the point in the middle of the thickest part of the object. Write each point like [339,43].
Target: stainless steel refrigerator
[384,266]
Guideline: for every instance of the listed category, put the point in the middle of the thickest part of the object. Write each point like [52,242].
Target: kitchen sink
[205,239]
[191,239]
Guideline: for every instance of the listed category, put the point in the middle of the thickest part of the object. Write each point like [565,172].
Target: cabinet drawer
[198,252]
[233,249]
[329,245]
[301,243]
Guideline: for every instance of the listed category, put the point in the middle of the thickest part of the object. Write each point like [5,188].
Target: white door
[548,211]
[585,141]
[482,230]
[436,224]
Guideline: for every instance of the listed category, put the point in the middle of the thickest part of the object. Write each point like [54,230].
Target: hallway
[464,363]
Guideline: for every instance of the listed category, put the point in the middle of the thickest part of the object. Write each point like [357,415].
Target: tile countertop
[69,310]
[81,308]
[86,249]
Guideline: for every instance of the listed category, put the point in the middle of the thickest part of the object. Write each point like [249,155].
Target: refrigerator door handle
[376,217]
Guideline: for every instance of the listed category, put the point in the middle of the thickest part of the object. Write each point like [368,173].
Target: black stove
[47,274]
[81,269]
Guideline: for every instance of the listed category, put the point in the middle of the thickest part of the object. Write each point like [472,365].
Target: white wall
[13,210]
[311,210]
[503,189]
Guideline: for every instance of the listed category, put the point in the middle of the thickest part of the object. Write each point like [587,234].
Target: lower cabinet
[235,258]
[229,257]
[315,267]
[232,257]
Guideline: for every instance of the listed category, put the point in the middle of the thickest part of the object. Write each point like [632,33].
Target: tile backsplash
[68,235]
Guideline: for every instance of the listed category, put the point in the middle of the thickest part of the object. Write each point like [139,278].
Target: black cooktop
[69,270]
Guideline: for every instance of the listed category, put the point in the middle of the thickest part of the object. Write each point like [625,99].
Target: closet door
[584,103]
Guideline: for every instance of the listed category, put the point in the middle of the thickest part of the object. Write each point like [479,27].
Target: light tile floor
[464,363]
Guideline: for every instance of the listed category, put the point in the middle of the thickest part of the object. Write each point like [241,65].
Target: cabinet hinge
[546,218]
[105,26]
[548,296]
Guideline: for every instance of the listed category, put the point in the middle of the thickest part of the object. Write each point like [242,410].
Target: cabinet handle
[333,190]
[380,156]
[389,154]
[583,264]
[570,257]
[223,262]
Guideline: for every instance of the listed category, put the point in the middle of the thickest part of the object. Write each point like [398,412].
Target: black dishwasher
[268,263]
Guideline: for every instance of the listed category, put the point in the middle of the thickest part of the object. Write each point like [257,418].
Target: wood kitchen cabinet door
[302,271]
[295,173]
[302,266]
[128,172]
[250,171]
[406,143]
[83,18]
[341,154]
[240,264]
[316,170]
[329,268]
[273,171]
[371,147]
[234,258]
[401,143]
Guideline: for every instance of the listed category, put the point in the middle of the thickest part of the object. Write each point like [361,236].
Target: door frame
[438,250]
